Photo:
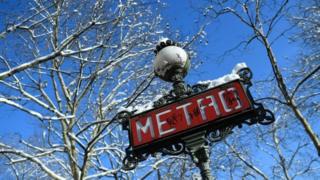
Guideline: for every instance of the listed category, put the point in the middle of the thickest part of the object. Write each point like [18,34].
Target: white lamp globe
[169,61]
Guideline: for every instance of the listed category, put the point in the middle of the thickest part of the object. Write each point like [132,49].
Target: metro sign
[198,112]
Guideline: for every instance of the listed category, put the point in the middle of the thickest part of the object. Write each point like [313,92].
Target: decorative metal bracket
[258,115]
[262,116]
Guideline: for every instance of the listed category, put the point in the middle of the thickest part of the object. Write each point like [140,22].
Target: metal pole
[198,149]
[202,160]
[199,152]
[179,87]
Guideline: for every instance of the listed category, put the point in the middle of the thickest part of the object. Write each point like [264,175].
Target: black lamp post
[172,64]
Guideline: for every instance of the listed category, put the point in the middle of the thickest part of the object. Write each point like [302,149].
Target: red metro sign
[188,114]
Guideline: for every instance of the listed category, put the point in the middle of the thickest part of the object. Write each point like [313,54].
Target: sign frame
[205,125]
[214,130]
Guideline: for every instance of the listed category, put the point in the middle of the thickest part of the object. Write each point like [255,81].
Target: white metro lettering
[161,123]
[186,113]
[202,107]
[145,128]
[223,100]
[192,112]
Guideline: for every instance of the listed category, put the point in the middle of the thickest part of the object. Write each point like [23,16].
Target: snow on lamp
[172,62]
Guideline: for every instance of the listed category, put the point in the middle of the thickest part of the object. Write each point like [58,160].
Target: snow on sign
[191,113]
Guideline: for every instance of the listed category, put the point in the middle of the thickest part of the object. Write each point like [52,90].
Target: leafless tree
[70,65]
[249,13]
[285,149]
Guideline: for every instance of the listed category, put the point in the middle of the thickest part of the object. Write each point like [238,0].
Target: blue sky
[221,35]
